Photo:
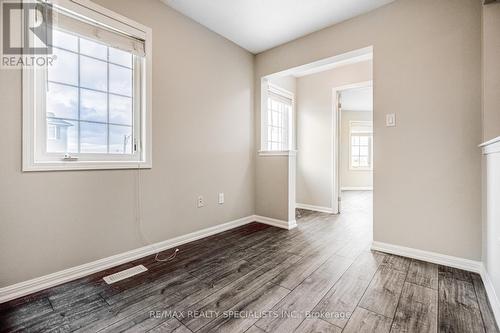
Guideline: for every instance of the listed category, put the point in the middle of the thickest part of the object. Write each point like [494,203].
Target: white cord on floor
[172,256]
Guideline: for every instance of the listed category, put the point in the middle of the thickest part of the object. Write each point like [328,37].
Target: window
[91,108]
[277,120]
[52,132]
[361,145]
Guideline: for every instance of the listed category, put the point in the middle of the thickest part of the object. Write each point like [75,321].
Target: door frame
[336,139]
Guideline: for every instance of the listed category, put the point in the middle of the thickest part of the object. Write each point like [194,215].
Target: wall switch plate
[221,198]
[390,120]
[200,202]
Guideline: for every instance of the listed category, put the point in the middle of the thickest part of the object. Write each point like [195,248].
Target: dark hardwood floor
[319,277]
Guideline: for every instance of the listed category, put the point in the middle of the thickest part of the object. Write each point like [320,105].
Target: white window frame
[369,134]
[34,137]
[268,88]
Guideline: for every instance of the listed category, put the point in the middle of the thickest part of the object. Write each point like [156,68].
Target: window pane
[93,49]
[64,40]
[363,151]
[93,105]
[355,162]
[363,161]
[120,139]
[274,134]
[52,132]
[120,57]
[64,68]
[355,140]
[62,136]
[363,140]
[93,137]
[62,101]
[93,73]
[355,151]
[274,105]
[120,80]
[120,110]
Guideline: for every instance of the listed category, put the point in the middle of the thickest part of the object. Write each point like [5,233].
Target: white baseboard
[492,295]
[436,258]
[315,208]
[359,188]
[47,281]
[442,259]
[276,223]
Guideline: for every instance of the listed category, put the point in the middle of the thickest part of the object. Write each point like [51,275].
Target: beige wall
[491,71]
[203,143]
[427,70]
[352,178]
[286,82]
[314,130]
[272,196]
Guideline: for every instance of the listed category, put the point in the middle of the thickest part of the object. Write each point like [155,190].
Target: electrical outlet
[201,202]
[221,198]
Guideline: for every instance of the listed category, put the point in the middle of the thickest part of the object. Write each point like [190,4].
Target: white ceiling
[258,25]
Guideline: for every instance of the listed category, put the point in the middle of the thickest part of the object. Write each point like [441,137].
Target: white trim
[70,274]
[346,58]
[336,138]
[339,63]
[491,147]
[490,292]
[280,91]
[353,123]
[277,152]
[34,159]
[490,142]
[321,209]
[122,22]
[442,259]
[47,281]
[436,258]
[276,223]
[86,165]
[265,88]
[357,188]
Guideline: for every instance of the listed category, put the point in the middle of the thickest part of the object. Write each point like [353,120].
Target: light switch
[390,120]
[221,198]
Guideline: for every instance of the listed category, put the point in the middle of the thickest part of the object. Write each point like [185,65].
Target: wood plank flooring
[319,277]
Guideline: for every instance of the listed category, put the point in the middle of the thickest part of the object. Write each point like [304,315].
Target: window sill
[84,165]
[360,169]
[277,152]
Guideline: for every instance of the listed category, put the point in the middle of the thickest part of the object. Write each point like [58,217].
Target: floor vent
[124,274]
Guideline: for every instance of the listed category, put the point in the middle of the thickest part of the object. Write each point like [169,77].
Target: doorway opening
[353,141]
[301,134]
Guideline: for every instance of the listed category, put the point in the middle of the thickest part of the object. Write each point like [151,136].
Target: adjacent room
[250,166]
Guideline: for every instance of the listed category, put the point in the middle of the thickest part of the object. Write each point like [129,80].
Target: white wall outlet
[221,198]
[390,120]
[200,202]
